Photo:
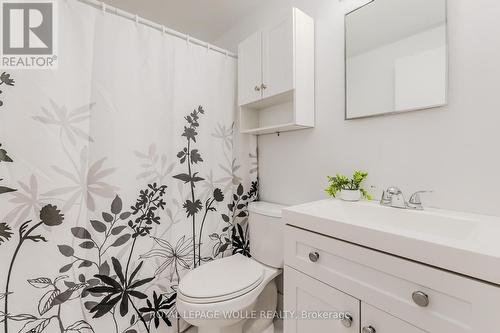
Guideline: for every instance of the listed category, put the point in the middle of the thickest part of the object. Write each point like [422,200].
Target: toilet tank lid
[265,208]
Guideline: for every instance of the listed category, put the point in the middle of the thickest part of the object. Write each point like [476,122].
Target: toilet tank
[266,229]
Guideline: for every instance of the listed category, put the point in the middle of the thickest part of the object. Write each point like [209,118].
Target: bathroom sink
[467,244]
[429,222]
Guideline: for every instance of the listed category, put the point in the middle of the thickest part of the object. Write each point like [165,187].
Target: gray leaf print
[27,200]
[67,121]
[86,183]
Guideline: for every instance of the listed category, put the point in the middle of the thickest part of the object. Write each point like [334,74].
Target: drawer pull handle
[257,88]
[314,256]
[369,329]
[420,298]
[347,320]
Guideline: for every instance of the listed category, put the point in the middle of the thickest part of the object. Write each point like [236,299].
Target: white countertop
[467,244]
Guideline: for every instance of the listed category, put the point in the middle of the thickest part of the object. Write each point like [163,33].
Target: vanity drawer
[456,304]
[384,322]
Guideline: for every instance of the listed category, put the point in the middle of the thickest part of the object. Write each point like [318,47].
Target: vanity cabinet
[313,306]
[306,297]
[392,294]
[276,76]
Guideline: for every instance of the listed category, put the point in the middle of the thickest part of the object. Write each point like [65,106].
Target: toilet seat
[221,280]
[210,314]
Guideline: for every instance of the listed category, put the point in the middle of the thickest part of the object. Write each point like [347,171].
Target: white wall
[453,150]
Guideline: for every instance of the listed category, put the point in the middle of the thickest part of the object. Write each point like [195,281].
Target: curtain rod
[119,12]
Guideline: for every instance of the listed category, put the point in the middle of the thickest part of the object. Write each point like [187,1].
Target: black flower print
[175,257]
[218,195]
[239,241]
[194,205]
[235,234]
[146,208]
[190,132]
[160,308]
[53,299]
[4,157]
[5,189]
[51,216]
[7,80]
[101,254]
[5,232]
[104,235]
[123,291]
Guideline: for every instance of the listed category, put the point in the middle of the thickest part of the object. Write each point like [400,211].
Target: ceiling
[203,19]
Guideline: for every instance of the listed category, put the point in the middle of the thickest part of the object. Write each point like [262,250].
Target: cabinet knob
[263,86]
[347,320]
[257,88]
[420,298]
[369,329]
[314,256]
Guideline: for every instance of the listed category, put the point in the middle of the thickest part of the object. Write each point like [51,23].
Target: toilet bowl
[238,294]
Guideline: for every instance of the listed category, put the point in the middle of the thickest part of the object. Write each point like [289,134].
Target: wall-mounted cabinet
[276,77]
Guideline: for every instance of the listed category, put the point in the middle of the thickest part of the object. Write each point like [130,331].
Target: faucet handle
[393,197]
[393,190]
[385,198]
[415,199]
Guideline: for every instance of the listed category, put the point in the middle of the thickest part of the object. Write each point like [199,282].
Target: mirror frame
[389,113]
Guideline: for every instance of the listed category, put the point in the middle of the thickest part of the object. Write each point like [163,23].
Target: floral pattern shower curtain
[120,171]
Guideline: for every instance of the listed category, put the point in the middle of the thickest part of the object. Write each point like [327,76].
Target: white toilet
[230,295]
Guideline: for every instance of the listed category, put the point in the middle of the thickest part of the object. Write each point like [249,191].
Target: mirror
[395,57]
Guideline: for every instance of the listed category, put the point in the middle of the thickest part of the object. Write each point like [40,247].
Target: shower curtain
[120,171]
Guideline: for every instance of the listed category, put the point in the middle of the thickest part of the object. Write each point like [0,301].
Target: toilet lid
[221,279]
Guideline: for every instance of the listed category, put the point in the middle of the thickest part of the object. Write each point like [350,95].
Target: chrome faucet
[394,197]
[415,202]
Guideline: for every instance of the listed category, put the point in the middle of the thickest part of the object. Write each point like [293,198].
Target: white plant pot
[350,195]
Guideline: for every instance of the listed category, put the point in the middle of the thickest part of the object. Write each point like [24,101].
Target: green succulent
[341,182]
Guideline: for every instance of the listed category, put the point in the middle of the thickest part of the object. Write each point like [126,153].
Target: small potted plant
[349,189]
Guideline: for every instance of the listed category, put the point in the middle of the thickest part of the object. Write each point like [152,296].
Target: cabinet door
[250,69]
[375,320]
[278,58]
[306,298]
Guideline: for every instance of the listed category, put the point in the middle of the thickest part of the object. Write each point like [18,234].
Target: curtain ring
[208,47]
[188,39]
[163,29]
[136,19]
[103,7]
